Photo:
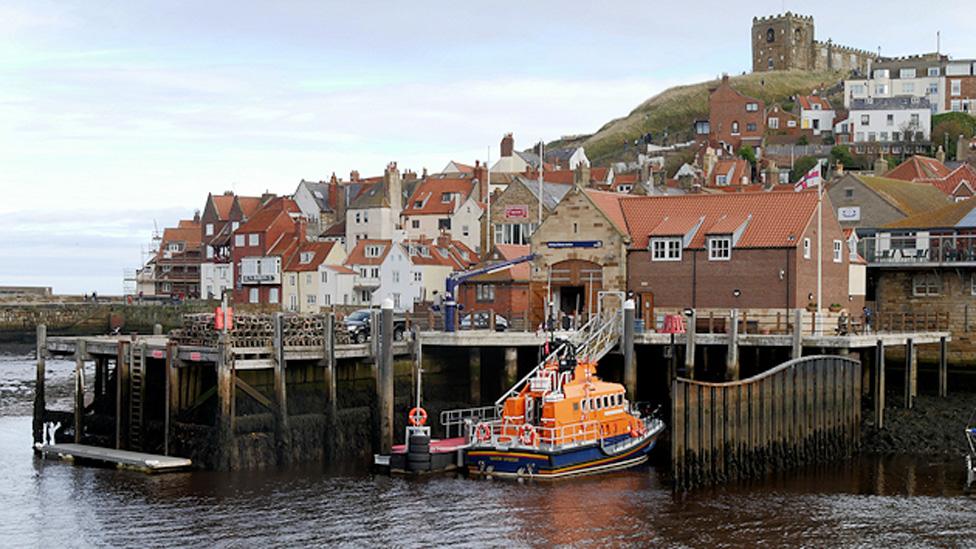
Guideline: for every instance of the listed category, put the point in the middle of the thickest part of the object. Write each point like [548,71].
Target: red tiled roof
[187,232]
[776,216]
[918,167]
[358,254]
[609,204]
[267,215]
[249,204]
[522,271]
[566,177]
[807,102]
[964,175]
[319,251]
[340,269]
[223,203]
[429,193]
[737,167]
[188,224]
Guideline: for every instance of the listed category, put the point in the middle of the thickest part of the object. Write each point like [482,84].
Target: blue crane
[456,279]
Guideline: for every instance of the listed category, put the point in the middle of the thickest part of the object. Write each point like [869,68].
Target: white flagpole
[820,248]
[489,236]
[541,155]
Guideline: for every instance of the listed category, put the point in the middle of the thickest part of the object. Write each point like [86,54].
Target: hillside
[675,110]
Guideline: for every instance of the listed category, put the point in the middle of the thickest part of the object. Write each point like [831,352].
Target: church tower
[782,42]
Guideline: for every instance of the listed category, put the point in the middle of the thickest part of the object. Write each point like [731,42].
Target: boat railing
[500,433]
[454,421]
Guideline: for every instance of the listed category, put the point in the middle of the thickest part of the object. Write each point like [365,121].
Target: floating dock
[124,459]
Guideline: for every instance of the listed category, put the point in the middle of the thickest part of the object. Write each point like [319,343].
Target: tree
[802,141]
[802,166]
[842,154]
[748,153]
[947,127]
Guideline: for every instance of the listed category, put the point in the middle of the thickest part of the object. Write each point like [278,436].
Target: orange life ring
[483,432]
[528,436]
[417,416]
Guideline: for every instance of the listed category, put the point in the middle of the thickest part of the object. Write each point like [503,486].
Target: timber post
[40,402]
[879,384]
[172,395]
[474,375]
[797,333]
[690,346]
[80,352]
[226,444]
[328,357]
[510,375]
[282,429]
[732,356]
[910,376]
[385,389]
[943,368]
[630,365]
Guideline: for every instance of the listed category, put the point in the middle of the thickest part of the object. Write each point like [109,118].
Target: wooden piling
[910,365]
[385,389]
[40,402]
[474,375]
[226,443]
[732,356]
[80,352]
[172,395]
[690,346]
[797,334]
[630,364]
[329,364]
[879,384]
[510,375]
[282,428]
[943,368]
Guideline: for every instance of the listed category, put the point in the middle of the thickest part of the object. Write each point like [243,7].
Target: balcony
[360,281]
[920,250]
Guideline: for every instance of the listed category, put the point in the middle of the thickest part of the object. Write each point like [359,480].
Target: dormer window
[306,257]
[374,251]
[752,107]
[424,251]
[418,204]
[446,198]
[719,248]
[666,249]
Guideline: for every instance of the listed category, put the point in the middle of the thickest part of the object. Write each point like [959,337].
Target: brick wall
[727,107]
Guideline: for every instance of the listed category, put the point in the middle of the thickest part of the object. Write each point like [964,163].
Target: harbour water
[871,501]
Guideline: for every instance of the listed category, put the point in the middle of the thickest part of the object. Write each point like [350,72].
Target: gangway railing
[455,420]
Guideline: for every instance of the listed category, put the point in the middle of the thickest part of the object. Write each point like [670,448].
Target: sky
[119,116]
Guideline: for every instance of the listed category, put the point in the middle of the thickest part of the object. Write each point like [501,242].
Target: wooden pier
[138,461]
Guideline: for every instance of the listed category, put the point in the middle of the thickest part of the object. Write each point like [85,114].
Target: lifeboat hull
[520,462]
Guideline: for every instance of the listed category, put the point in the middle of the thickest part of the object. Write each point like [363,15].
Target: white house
[302,286]
[375,212]
[892,120]
[815,113]
[920,77]
[445,205]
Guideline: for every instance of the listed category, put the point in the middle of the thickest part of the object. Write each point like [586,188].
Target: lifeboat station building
[753,251]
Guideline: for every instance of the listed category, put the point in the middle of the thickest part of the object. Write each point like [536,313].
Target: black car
[357,325]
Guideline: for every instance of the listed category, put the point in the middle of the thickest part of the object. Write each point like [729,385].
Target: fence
[804,410]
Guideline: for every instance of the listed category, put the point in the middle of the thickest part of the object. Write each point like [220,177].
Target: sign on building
[849,213]
[575,244]
[520,211]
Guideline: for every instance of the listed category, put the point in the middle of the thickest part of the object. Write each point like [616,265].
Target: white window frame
[253,295]
[666,249]
[209,229]
[253,239]
[926,285]
[838,251]
[239,240]
[273,295]
[955,87]
[719,248]
[806,248]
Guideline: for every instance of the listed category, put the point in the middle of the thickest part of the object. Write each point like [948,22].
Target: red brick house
[261,246]
[734,250]
[177,263]
[505,292]
[222,215]
[732,172]
[735,119]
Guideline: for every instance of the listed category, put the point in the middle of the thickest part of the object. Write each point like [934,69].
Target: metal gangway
[592,341]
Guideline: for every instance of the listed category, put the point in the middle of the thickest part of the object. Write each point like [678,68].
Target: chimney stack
[481,179]
[354,176]
[508,145]
[581,176]
[394,189]
[940,155]
[880,166]
[444,240]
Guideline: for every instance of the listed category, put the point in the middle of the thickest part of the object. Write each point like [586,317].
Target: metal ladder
[137,394]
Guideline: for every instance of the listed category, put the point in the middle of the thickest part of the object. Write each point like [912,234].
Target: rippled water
[870,502]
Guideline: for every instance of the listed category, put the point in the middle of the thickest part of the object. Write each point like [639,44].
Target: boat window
[606,403]
[585,407]
[576,406]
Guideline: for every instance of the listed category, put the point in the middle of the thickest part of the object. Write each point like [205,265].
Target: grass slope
[675,110]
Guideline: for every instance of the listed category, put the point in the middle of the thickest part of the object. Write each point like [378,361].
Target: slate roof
[320,193]
[552,193]
[777,218]
[901,102]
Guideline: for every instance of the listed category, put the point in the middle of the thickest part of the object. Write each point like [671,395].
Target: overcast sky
[114,115]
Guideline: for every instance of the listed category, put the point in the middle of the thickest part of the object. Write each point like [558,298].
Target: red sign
[517,212]
[157,354]
[195,356]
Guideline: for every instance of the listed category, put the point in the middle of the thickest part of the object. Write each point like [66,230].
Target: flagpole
[820,188]
[489,236]
[541,154]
